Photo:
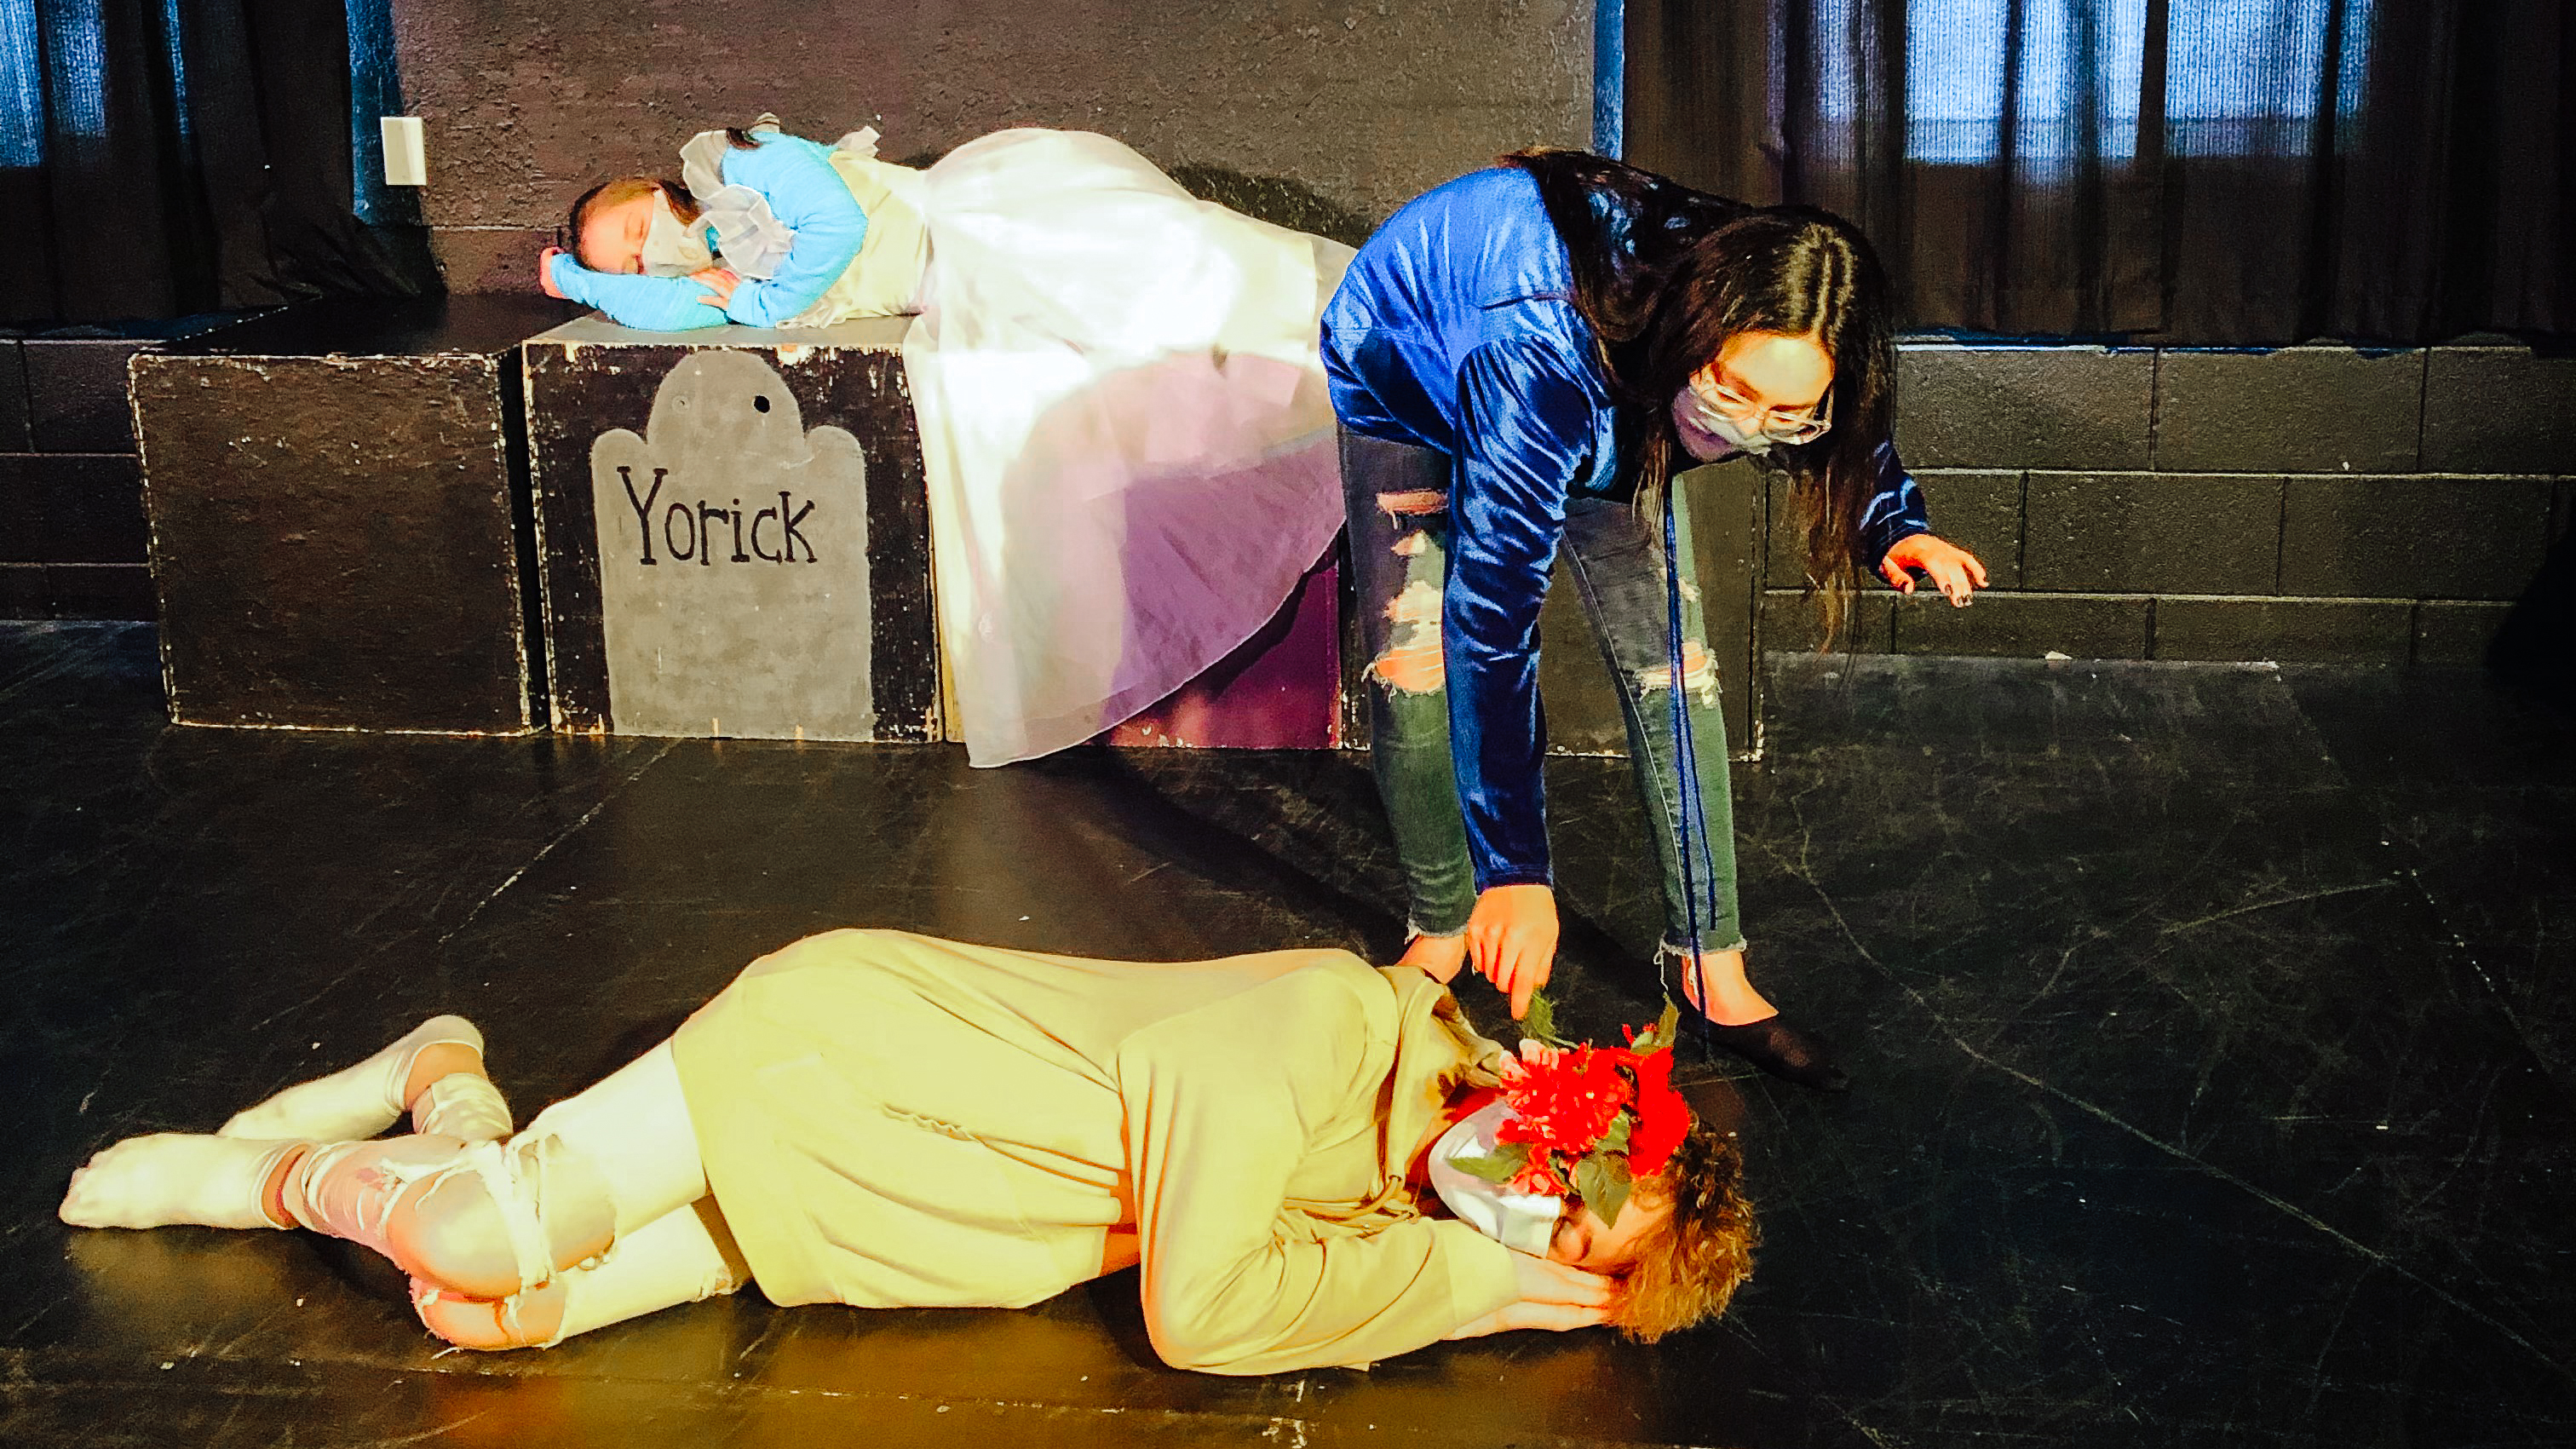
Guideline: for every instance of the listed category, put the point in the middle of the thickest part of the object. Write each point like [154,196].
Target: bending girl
[1125,431]
[886,1120]
[1518,358]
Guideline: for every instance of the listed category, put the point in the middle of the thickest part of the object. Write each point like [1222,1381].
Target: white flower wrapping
[1519,1220]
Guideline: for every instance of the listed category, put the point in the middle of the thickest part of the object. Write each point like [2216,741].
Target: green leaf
[1668,1027]
[1506,1163]
[1603,1182]
[1540,1024]
[1616,1139]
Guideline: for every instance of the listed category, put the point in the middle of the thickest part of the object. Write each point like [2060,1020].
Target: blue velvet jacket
[1454,330]
[804,193]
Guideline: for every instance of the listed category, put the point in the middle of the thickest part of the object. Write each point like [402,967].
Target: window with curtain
[2188,171]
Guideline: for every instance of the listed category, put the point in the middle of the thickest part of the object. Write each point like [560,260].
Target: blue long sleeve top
[804,193]
[1455,329]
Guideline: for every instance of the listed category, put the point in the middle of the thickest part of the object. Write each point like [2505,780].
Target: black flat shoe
[1771,1044]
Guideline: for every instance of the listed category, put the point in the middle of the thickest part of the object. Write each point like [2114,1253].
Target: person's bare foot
[1721,989]
[1440,957]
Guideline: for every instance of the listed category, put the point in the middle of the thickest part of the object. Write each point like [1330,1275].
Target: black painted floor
[2212,1024]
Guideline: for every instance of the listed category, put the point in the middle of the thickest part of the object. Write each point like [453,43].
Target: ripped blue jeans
[1397,497]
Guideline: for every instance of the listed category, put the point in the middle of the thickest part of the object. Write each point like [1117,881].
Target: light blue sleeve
[650,304]
[810,199]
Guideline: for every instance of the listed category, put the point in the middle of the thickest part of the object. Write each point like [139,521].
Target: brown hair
[1690,1264]
[617,191]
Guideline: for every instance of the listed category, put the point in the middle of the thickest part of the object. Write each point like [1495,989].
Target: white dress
[1128,443]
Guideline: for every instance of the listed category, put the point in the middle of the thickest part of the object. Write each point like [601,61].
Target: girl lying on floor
[1125,433]
[1314,1162]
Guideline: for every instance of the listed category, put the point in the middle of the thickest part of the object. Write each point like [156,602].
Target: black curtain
[2252,172]
[166,157]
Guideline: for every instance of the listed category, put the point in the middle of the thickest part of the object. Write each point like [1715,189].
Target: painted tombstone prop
[695,582]
[735,535]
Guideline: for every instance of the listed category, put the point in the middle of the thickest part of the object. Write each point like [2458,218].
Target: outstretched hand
[1954,570]
[546,271]
[1553,1297]
[1511,940]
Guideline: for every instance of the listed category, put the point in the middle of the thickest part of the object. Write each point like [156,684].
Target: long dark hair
[1665,275]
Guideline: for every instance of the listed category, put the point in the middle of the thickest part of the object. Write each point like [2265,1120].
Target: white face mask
[1515,1219]
[1708,434]
[672,247]
[1704,423]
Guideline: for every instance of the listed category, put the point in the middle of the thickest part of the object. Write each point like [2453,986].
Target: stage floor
[2212,1026]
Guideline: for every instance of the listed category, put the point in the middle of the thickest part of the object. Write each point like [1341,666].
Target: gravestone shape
[733,561]
[732,436]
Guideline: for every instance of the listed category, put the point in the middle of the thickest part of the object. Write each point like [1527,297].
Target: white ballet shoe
[667,1262]
[376,1194]
[174,1177]
[358,1101]
[462,1104]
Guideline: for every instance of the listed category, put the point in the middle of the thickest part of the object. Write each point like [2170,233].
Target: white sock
[354,1102]
[462,1104]
[174,1177]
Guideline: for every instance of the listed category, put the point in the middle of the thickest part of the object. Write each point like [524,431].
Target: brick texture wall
[2314,503]
[71,487]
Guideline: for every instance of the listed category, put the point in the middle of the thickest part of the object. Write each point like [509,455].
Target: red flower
[1662,1116]
[1566,1100]
[1563,1102]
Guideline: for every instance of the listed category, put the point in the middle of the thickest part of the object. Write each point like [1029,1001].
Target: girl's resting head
[1774,320]
[610,221]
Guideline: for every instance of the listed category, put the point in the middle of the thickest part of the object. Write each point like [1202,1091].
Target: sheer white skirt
[1128,443]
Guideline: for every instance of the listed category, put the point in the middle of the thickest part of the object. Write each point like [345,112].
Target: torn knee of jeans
[1411,662]
[1699,674]
[1413,502]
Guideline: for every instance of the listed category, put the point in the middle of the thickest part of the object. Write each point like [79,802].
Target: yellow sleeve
[1217,1103]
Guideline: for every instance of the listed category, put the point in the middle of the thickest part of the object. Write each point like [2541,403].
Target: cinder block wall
[1320,114]
[71,485]
[2314,503]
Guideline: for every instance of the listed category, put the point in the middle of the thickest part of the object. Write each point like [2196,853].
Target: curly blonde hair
[1696,1256]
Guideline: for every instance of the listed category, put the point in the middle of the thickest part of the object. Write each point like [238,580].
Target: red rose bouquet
[1586,1121]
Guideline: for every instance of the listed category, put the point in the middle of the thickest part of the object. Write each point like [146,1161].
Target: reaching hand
[546,272]
[1954,570]
[1511,940]
[719,282]
[1553,1297]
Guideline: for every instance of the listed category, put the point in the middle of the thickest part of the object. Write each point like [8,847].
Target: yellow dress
[890,1120]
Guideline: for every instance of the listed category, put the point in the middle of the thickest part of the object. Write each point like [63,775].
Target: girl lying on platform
[1125,432]
[1315,1162]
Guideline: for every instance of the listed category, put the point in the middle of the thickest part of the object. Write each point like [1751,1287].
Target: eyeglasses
[1779,425]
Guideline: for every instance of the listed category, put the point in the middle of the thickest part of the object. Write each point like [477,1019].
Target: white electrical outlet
[406,153]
